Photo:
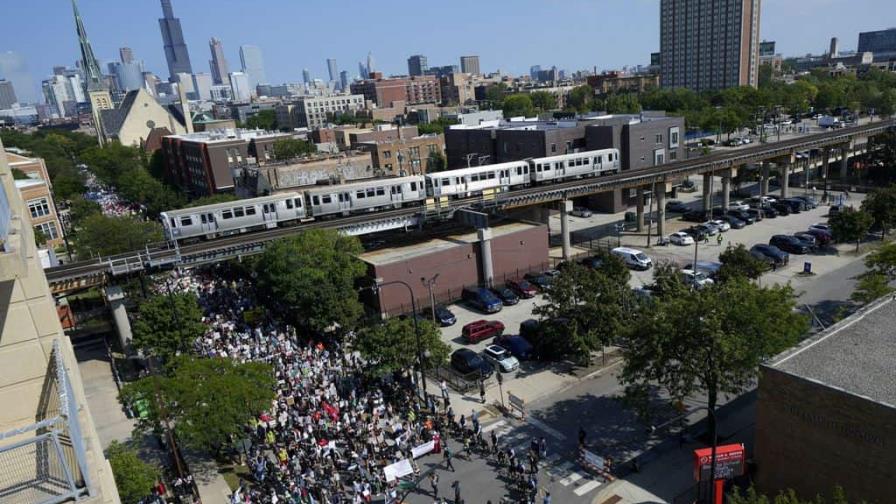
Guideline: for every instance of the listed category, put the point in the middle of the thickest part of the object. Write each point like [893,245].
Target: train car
[233,217]
[471,181]
[366,196]
[576,165]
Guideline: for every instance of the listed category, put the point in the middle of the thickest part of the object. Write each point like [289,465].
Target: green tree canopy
[850,225]
[738,262]
[168,324]
[494,95]
[211,200]
[134,478]
[100,235]
[312,275]
[289,148]
[518,105]
[543,101]
[752,496]
[881,205]
[391,346]
[883,260]
[435,127]
[207,401]
[436,162]
[871,286]
[265,120]
[580,98]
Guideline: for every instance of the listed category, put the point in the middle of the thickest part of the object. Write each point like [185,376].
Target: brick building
[614,82]
[403,156]
[272,178]
[397,92]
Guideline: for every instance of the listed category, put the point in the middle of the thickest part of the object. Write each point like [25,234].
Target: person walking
[447,456]
[444,386]
[547,498]
[543,447]
[719,239]
[482,391]
[434,484]
[457,499]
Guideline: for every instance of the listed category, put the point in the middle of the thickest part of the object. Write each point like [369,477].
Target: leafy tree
[518,105]
[543,101]
[104,236]
[157,165]
[752,496]
[738,262]
[18,174]
[435,127]
[494,95]
[68,184]
[580,98]
[168,324]
[211,200]
[709,340]
[312,275]
[289,148]
[850,225]
[872,285]
[881,205]
[134,478]
[206,400]
[391,346]
[265,120]
[881,158]
[436,162]
[668,282]
[883,260]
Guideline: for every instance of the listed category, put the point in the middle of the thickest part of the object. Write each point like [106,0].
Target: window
[371,192]
[327,199]
[413,186]
[315,200]
[226,214]
[298,202]
[360,194]
[673,138]
[238,212]
[380,191]
[250,210]
[186,221]
[553,148]
[659,138]
[48,229]
[446,181]
[673,155]
[173,222]
[39,208]
[387,154]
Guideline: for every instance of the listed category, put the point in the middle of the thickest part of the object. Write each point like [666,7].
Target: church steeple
[93,77]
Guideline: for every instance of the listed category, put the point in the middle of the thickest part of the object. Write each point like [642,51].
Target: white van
[633,258]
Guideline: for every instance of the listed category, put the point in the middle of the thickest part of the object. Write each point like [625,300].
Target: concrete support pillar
[661,210]
[844,162]
[763,180]
[565,208]
[116,298]
[639,214]
[488,268]
[726,192]
[707,192]
[785,180]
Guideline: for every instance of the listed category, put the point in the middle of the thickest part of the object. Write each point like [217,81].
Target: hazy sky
[510,35]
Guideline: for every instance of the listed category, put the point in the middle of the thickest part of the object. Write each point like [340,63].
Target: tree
[208,401]
[752,496]
[168,324]
[709,340]
[881,205]
[872,285]
[211,200]
[494,95]
[265,120]
[134,478]
[437,162]
[289,148]
[850,225]
[99,235]
[80,208]
[435,127]
[391,346]
[312,276]
[882,158]
[883,261]
[543,101]
[580,98]
[518,105]
[738,262]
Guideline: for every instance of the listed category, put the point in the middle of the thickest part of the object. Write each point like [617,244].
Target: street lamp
[429,283]
[420,365]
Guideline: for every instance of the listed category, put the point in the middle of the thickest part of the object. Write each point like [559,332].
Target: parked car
[711,269]
[479,330]
[738,205]
[742,215]
[633,258]
[835,209]
[789,244]
[516,345]
[769,212]
[694,216]
[782,208]
[761,201]
[808,239]
[444,316]
[580,212]
[756,214]
[696,232]
[506,295]
[795,205]
[822,226]
[466,361]
[822,237]
[698,279]
[540,280]
[770,253]
[722,225]
[523,288]
[681,238]
[529,329]
[676,206]
[501,358]
[708,228]
[482,299]
[809,200]
[593,262]
[733,222]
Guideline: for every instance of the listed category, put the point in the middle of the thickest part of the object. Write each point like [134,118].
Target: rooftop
[856,355]
[226,135]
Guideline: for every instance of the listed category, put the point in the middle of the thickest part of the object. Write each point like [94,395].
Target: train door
[504,178]
[345,202]
[208,223]
[269,214]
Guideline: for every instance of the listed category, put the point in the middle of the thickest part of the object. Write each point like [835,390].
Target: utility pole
[429,283]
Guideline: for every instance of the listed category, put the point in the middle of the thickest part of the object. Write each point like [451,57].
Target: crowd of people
[332,429]
[109,201]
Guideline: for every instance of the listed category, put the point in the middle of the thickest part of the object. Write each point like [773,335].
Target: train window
[203,218]
[211,218]
[360,194]
[380,191]
[446,181]
[173,222]
[226,214]
[289,203]
[250,210]
[371,192]
[298,202]
[491,175]
[586,161]
[238,212]
[413,186]
[538,168]
[457,180]
[327,199]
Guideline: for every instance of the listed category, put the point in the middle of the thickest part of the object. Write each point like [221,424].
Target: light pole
[420,366]
[429,283]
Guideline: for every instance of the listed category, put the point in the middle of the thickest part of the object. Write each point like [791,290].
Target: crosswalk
[561,472]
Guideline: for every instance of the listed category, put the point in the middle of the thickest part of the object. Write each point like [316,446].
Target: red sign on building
[730,462]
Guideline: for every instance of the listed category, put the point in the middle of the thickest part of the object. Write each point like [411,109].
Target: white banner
[397,470]
[419,451]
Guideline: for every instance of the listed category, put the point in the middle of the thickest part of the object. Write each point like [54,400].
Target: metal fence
[44,462]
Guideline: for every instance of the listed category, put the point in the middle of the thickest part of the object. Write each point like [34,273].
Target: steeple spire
[93,78]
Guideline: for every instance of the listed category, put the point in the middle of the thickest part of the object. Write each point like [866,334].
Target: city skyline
[584,47]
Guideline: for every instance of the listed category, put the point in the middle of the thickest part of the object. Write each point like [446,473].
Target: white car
[722,225]
[501,358]
[698,279]
[821,226]
[738,205]
[761,201]
[580,212]
[681,238]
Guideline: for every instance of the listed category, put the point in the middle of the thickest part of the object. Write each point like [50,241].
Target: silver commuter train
[365,196]
[221,219]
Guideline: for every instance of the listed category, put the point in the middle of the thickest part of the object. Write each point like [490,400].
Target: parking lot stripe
[572,478]
[587,487]
[546,428]
[493,426]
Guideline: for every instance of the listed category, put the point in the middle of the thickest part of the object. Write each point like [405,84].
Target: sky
[510,35]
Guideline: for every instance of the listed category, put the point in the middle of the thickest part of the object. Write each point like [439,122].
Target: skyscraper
[709,45]
[126,54]
[176,53]
[417,65]
[306,76]
[239,86]
[333,70]
[218,64]
[371,64]
[253,65]
[362,70]
[343,80]
[7,94]
[469,64]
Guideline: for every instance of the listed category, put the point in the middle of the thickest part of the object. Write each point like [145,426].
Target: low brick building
[272,178]
[403,156]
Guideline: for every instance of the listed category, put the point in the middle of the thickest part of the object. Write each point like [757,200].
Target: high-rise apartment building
[469,64]
[417,65]
[7,94]
[253,65]
[709,44]
[333,70]
[218,64]
[176,53]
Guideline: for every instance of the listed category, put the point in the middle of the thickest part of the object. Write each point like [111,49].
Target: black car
[719,212]
[507,296]
[742,215]
[809,200]
[795,205]
[445,317]
[835,209]
[822,237]
[695,216]
[734,222]
[782,208]
[756,214]
[808,239]
[789,244]
[676,207]
[466,361]
[593,262]
[696,232]
[540,280]
[769,212]
[770,253]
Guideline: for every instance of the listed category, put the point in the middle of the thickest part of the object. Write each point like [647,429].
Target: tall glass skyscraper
[173,37]
[253,65]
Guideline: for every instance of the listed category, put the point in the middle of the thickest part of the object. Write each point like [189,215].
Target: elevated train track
[160,255]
